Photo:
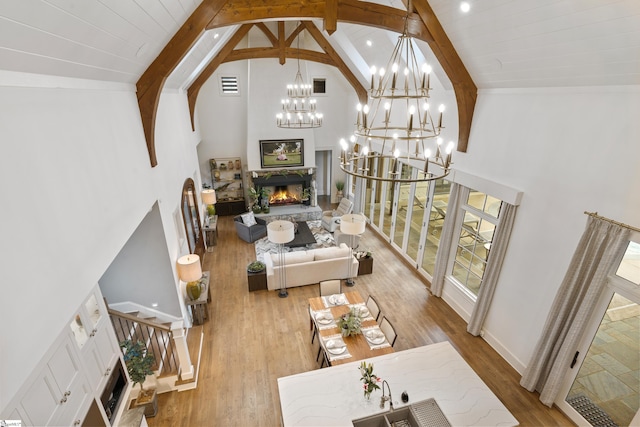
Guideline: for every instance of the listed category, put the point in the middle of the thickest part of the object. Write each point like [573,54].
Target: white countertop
[334,396]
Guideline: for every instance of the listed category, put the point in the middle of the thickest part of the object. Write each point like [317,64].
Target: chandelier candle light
[398,126]
[299,109]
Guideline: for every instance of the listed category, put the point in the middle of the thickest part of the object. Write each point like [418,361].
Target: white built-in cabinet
[60,392]
[73,372]
[100,350]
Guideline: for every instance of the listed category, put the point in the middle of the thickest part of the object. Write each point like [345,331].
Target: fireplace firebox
[285,189]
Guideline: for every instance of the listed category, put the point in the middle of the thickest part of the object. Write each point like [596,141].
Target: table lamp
[209,199]
[190,271]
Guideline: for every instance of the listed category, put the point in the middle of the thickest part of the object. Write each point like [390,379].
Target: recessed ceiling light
[369,43]
[465,6]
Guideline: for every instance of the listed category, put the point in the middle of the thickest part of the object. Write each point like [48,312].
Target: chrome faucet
[385,398]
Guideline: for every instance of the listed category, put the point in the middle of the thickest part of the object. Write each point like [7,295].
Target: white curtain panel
[602,244]
[492,272]
[446,239]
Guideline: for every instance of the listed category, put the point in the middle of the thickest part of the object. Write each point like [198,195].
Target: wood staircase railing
[157,336]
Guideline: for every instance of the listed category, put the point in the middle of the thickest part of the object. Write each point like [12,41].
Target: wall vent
[319,85]
[229,85]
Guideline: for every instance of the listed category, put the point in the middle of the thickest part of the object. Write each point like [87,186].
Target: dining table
[327,310]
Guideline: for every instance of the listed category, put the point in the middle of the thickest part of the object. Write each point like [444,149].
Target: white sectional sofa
[311,266]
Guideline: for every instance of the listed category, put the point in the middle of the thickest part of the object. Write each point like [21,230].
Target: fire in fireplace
[285,195]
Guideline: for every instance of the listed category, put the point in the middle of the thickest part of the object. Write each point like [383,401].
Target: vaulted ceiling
[501,43]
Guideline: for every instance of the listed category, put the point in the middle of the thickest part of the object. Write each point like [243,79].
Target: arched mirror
[191,217]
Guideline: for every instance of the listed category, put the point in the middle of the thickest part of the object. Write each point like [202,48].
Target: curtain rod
[595,215]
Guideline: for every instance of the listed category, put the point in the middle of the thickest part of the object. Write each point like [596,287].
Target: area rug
[590,411]
[324,239]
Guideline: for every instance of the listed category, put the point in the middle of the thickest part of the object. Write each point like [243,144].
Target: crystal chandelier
[398,127]
[299,109]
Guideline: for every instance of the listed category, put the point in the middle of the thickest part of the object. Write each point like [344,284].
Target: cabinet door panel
[41,400]
[107,345]
[64,366]
[76,406]
[100,355]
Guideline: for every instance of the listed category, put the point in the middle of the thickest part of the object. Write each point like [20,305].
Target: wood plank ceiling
[502,43]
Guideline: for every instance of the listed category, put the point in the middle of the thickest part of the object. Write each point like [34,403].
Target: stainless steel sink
[425,413]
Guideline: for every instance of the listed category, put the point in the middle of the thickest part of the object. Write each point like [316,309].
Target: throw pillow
[248,219]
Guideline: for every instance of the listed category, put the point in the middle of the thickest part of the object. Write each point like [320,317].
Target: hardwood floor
[251,339]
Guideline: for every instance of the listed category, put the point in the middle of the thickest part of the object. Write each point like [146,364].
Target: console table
[211,232]
[200,308]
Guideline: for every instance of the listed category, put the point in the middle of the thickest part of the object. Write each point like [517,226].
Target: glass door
[602,388]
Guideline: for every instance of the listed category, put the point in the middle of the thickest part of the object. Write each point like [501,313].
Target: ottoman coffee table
[303,236]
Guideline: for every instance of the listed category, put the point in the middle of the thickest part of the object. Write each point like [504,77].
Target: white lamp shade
[280,231]
[209,197]
[189,269]
[352,224]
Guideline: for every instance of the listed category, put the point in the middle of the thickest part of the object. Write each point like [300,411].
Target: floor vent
[590,411]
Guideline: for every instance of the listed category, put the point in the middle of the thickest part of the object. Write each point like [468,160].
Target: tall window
[480,214]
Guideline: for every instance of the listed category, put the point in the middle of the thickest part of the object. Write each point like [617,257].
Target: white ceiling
[503,43]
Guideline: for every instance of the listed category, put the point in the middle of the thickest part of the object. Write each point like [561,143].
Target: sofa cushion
[331,253]
[292,258]
[248,219]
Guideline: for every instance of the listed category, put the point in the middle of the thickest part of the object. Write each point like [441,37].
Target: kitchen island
[334,396]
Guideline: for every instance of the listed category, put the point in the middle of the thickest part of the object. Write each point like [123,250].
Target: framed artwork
[280,153]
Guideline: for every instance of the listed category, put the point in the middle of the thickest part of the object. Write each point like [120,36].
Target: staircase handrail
[137,319]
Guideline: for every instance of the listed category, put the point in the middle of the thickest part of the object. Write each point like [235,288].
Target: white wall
[222,119]
[75,181]
[568,150]
[233,126]
[141,272]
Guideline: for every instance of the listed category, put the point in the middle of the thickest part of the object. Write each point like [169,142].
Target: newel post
[180,341]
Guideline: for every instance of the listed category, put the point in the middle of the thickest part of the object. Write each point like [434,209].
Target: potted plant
[139,363]
[340,188]
[306,195]
[264,199]
[256,267]
[255,197]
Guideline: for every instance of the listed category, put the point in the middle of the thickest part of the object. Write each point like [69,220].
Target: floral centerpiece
[350,323]
[369,379]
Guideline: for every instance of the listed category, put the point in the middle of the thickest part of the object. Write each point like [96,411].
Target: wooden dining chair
[330,287]
[312,325]
[373,307]
[325,356]
[388,330]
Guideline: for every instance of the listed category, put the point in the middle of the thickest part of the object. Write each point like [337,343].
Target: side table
[200,308]
[211,232]
[365,266]
[257,281]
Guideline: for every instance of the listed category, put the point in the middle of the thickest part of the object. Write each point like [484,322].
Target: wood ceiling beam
[463,85]
[329,57]
[194,89]
[281,43]
[271,52]
[331,16]
[152,80]
[267,32]
[339,63]
[422,25]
